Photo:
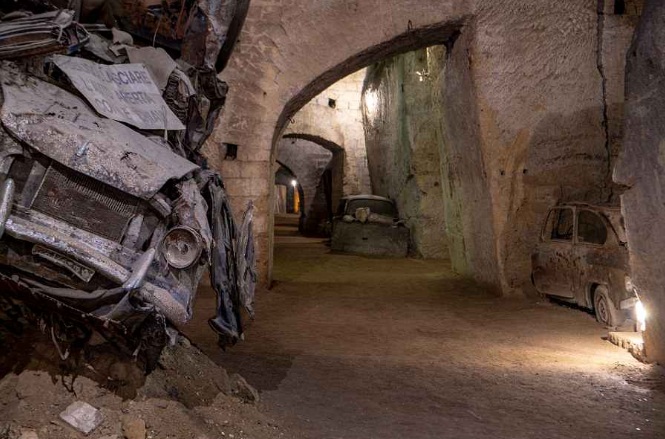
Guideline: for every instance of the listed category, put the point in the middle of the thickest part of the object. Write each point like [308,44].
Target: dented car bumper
[103,257]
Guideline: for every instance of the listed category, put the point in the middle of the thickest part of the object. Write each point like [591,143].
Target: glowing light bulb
[294,183]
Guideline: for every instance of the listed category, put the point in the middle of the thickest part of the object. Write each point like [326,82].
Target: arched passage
[313,166]
[469,206]
[476,240]
[288,192]
[273,64]
[509,93]
[334,171]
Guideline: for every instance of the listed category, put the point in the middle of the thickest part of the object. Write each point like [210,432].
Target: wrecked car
[369,225]
[109,216]
[582,258]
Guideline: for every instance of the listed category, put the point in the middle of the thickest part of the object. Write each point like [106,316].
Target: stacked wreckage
[109,216]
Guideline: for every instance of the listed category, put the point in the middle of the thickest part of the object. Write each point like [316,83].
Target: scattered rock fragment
[133,428]
[242,389]
[28,434]
[82,416]
[223,382]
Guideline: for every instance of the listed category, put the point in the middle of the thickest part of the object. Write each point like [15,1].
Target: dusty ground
[352,347]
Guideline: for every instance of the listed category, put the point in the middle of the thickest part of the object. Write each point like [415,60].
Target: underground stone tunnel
[447,211]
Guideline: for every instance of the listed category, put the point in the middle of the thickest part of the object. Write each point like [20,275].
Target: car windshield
[379,207]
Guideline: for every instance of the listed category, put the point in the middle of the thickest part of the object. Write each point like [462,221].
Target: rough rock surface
[641,168]
[403,112]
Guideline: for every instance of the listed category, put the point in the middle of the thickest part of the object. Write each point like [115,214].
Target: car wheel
[606,312]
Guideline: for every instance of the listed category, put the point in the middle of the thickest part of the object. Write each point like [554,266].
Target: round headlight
[181,247]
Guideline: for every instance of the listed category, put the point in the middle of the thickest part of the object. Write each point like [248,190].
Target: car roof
[601,207]
[367,197]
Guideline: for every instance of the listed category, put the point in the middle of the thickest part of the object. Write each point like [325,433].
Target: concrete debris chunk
[243,390]
[28,434]
[121,37]
[133,428]
[82,416]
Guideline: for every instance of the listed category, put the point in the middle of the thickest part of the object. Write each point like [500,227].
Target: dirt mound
[187,396]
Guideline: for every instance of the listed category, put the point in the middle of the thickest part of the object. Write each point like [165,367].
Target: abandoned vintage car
[582,258]
[370,225]
[109,216]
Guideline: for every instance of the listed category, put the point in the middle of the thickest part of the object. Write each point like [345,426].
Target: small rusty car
[369,225]
[582,258]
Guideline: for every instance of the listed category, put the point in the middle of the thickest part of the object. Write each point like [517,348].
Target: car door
[594,257]
[553,267]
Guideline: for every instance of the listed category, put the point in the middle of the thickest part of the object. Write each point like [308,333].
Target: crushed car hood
[61,126]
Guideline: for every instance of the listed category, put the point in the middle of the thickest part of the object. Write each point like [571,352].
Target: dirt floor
[352,347]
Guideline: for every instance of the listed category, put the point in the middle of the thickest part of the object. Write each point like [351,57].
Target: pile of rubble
[188,396]
[109,215]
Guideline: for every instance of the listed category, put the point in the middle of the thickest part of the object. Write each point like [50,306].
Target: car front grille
[85,202]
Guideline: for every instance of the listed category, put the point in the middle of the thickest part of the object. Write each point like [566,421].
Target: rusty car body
[369,225]
[582,258]
[109,216]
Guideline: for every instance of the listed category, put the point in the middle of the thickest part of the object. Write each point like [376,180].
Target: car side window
[590,228]
[560,225]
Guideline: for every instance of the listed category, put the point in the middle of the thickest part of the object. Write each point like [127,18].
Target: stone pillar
[641,168]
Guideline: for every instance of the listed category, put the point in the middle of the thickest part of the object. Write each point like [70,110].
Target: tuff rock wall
[641,169]
[402,114]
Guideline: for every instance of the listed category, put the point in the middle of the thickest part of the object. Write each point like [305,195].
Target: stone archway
[282,57]
[519,66]
[310,162]
[337,167]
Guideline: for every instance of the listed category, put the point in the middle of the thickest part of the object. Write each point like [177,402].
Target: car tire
[603,307]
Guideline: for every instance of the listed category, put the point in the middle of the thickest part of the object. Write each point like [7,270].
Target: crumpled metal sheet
[41,34]
[62,126]
[207,105]
[246,260]
[209,23]
[156,60]
[123,92]
[227,321]
[99,47]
